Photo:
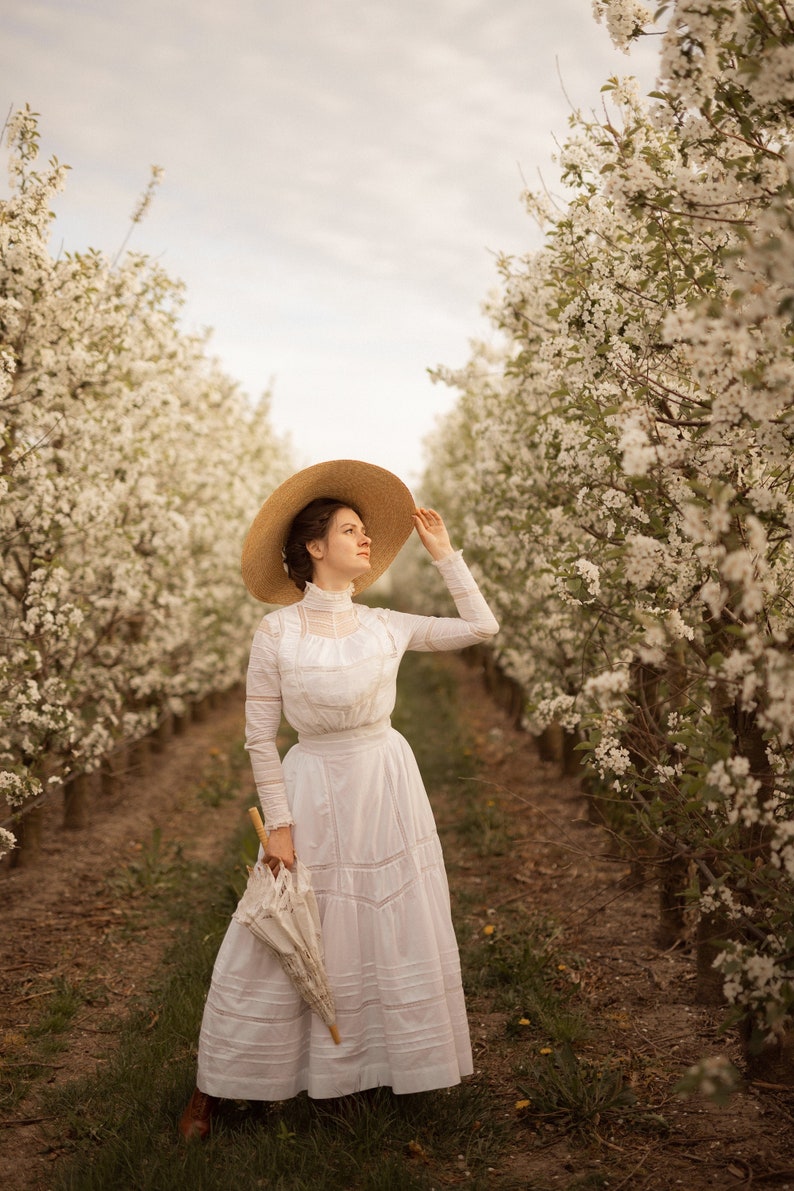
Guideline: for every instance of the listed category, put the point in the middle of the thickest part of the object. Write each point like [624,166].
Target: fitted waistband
[364,733]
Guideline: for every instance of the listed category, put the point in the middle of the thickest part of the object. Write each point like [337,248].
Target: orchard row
[130,467]
[620,464]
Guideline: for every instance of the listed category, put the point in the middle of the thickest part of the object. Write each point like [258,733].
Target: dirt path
[638,999]
[60,932]
[63,923]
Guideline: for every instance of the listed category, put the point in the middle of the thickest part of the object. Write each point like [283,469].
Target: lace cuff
[274,826]
[441,563]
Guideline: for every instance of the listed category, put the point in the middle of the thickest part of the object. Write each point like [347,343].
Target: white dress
[363,825]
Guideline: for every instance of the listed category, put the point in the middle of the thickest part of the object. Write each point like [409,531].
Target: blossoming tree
[627,447]
[130,466]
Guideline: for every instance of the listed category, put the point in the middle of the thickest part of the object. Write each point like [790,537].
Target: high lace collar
[331,601]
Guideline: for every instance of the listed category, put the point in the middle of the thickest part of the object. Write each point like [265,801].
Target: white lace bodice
[331,665]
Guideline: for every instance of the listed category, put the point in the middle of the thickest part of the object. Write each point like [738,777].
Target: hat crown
[383,501]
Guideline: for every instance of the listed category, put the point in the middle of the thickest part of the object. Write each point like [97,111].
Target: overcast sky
[339,176]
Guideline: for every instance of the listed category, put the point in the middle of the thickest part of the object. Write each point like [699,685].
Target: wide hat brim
[385,504]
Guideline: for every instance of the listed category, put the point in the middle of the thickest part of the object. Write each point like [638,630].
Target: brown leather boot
[197,1117]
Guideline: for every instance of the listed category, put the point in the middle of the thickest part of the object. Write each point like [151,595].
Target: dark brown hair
[310,525]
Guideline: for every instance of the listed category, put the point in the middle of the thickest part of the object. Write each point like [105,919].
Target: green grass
[521,972]
[157,885]
[485,827]
[156,870]
[427,714]
[575,1092]
[59,1011]
[221,782]
[28,1056]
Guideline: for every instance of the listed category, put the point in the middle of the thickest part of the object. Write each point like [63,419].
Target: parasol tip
[335,1034]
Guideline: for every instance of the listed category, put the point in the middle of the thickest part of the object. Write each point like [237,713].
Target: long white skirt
[365,829]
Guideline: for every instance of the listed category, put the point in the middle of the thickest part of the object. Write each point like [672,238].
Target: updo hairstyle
[310,525]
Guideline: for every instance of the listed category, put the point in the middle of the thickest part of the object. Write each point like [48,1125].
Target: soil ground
[60,930]
[637,999]
[62,920]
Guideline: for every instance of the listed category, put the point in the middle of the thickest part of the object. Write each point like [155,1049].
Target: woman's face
[343,554]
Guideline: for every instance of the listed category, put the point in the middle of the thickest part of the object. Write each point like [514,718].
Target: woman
[349,799]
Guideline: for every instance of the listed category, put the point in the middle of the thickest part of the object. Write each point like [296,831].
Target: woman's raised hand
[433,532]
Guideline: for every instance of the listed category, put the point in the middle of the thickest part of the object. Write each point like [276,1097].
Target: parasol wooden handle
[259,826]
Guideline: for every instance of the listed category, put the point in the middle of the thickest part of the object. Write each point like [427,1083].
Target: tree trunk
[549,743]
[488,669]
[182,722]
[140,755]
[200,710]
[28,832]
[112,772]
[772,1062]
[673,882]
[516,703]
[75,802]
[571,759]
[712,931]
[162,733]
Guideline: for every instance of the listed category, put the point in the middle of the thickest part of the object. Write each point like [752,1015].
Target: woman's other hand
[433,533]
[279,849]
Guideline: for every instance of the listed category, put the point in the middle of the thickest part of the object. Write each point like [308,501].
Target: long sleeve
[262,720]
[475,621]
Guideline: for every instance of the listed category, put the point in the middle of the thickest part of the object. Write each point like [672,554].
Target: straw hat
[385,504]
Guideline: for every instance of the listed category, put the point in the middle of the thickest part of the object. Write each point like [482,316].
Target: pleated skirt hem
[325,1087]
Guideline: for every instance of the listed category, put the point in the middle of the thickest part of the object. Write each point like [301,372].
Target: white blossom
[629,442]
[590,574]
[131,468]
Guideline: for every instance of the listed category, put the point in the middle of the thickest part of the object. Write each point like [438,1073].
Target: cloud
[338,176]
